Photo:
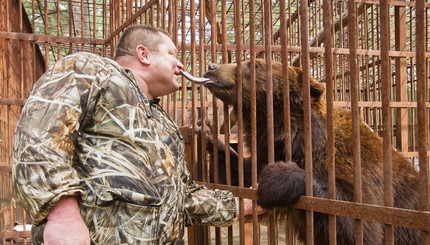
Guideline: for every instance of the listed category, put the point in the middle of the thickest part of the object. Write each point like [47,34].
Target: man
[96,159]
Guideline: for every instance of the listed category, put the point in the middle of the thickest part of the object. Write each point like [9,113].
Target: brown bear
[282,183]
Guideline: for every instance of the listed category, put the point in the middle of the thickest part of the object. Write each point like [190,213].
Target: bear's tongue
[198,80]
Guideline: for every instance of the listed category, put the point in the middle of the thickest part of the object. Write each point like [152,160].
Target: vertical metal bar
[401,79]
[94,24]
[203,99]
[304,17]
[353,79]
[32,15]
[422,93]
[286,106]
[328,62]
[58,27]
[184,81]
[237,37]
[21,51]
[106,31]
[205,166]
[386,113]
[214,41]
[269,106]
[173,29]
[225,59]
[253,89]
[194,89]
[7,16]
[82,20]
[70,25]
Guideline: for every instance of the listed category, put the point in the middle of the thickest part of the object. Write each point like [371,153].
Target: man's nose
[212,66]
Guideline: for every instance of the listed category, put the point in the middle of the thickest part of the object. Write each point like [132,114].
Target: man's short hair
[135,35]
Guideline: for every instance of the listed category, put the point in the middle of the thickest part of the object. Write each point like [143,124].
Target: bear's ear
[317,89]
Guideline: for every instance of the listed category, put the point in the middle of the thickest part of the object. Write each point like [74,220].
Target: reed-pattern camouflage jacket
[88,131]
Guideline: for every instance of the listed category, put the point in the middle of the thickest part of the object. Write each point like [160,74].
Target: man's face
[164,68]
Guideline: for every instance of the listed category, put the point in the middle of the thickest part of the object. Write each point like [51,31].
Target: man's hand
[65,225]
[247,207]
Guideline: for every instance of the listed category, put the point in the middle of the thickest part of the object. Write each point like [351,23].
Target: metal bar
[401,79]
[213,52]
[49,38]
[203,118]
[173,30]
[354,81]
[329,74]
[391,3]
[422,90]
[386,114]
[196,170]
[295,49]
[290,232]
[269,106]
[183,56]
[374,213]
[14,234]
[5,168]
[225,59]
[239,89]
[345,104]
[253,98]
[305,63]
[130,20]
[386,215]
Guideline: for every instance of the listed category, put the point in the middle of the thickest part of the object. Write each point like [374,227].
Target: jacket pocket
[124,223]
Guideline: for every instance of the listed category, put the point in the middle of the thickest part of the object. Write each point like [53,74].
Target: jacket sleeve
[46,135]
[208,207]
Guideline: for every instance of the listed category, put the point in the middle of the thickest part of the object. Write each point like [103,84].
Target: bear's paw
[280,185]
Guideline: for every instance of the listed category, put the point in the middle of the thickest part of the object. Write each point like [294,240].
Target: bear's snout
[212,66]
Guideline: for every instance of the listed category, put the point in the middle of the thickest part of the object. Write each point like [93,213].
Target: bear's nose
[212,66]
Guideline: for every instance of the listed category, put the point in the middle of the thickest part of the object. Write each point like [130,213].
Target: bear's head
[223,84]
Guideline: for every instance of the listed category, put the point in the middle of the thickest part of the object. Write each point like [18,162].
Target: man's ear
[142,53]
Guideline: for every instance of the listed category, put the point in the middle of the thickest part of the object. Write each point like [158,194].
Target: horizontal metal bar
[378,104]
[14,234]
[297,49]
[385,215]
[49,38]
[346,104]
[248,193]
[12,101]
[390,2]
[5,169]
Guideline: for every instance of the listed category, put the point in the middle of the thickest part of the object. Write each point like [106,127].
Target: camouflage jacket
[88,131]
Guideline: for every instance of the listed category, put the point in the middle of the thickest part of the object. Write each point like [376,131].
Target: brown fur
[281,184]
